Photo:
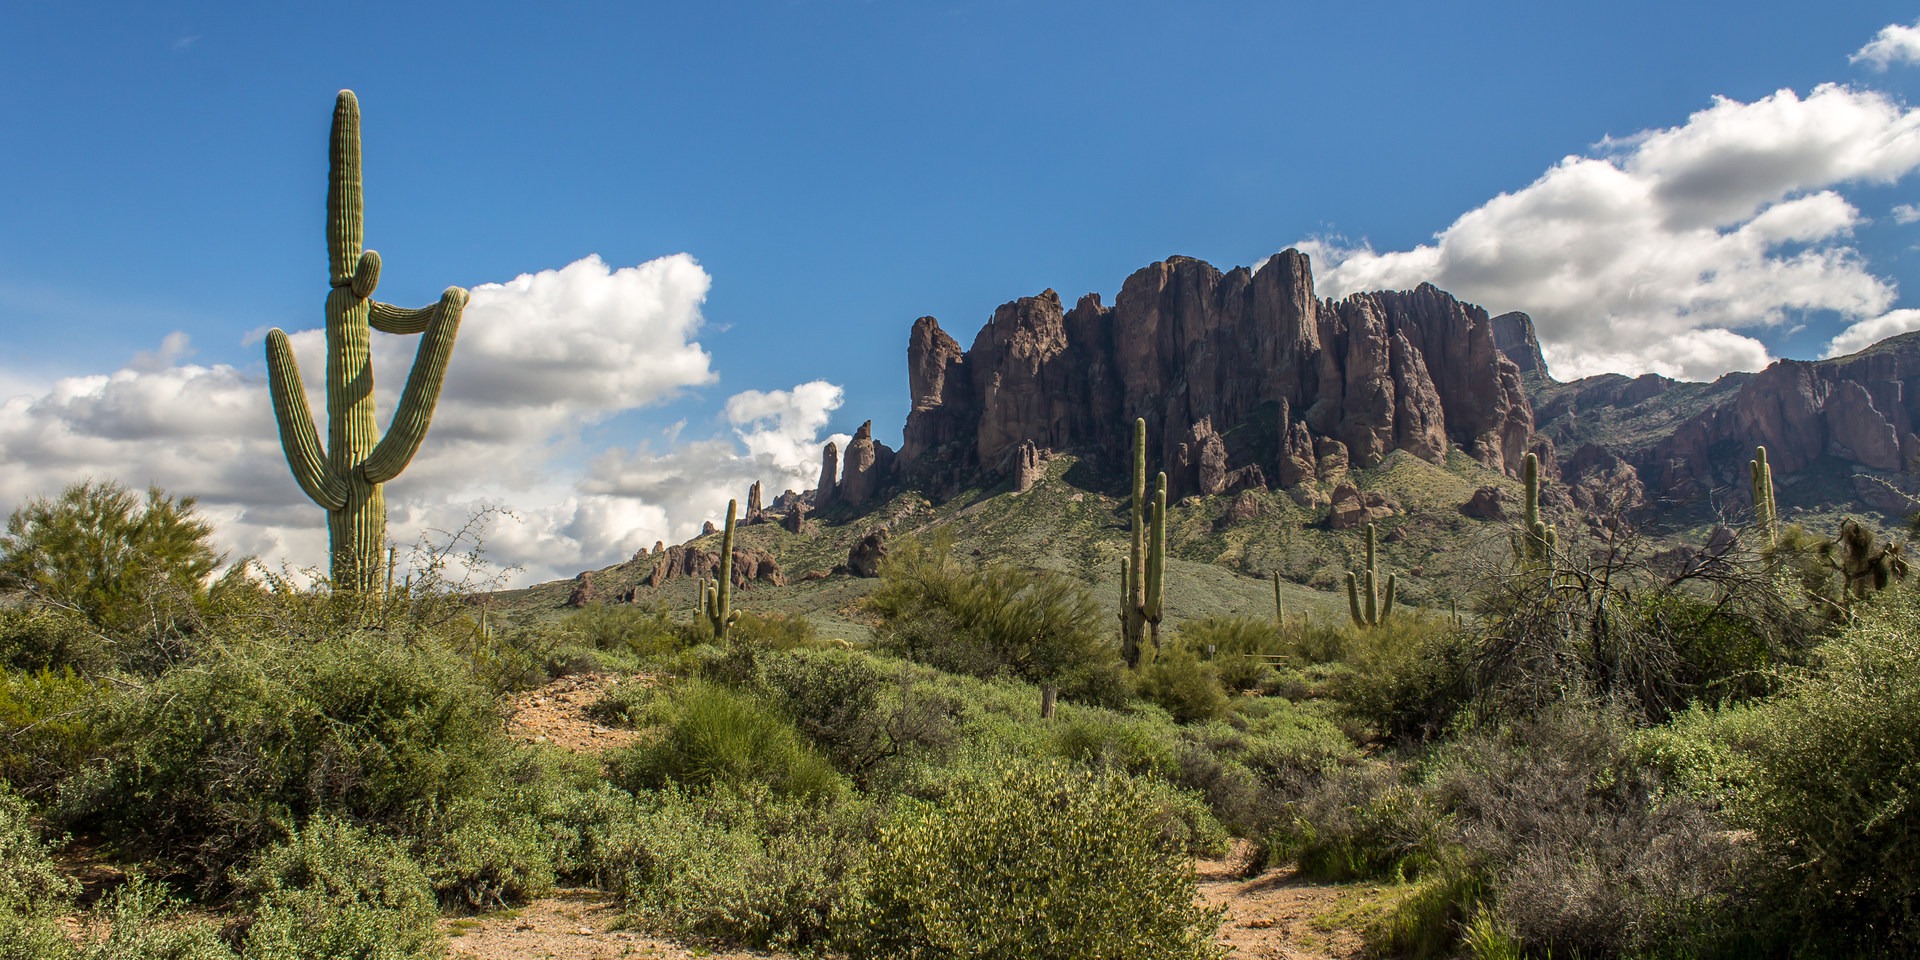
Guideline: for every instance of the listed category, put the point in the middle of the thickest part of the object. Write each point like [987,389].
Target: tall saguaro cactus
[1372,607]
[1536,536]
[347,476]
[1143,572]
[1766,514]
[716,595]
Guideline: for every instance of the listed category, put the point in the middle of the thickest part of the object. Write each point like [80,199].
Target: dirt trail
[556,714]
[1274,914]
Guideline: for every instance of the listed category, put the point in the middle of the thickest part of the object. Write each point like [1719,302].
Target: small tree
[130,570]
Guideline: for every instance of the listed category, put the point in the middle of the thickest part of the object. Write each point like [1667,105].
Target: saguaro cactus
[1766,514]
[1143,572]
[1279,611]
[1536,536]
[347,476]
[1372,609]
[716,595]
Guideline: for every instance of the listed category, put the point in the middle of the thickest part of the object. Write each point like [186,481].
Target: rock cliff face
[1861,410]
[1197,352]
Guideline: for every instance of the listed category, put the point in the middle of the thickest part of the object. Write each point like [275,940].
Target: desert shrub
[140,920]
[1236,646]
[212,759]
[1582,851]
[1410,677]
[47,729]
[773,631]
[745,866]
[1290,749]
[999,620]
[482,854]
[1134,743]
[642,631]
[334,891]
[38,637]
[1309,642]
[1362,821]
[1823,774]
[1186,687]
[714,735]
[857,712]
[29,881]
[1035,860]
[133,571]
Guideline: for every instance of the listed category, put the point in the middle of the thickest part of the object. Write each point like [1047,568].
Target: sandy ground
[1274,914]
[556,714]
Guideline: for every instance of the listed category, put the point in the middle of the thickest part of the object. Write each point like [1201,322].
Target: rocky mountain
[1247,379]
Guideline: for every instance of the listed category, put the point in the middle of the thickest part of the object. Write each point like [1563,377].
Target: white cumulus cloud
[537,359]
[1866,333]
[1663,251]
[1895,43]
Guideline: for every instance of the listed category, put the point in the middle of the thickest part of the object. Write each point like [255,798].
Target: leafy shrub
[642,631]
[1823,774]
[1237,647]
[1410,677]
[47,729]
[715,735]
[773,631]
[1107,739]
[1363,821]
[1185,687]
[1000,620]
[482,855]
[211,758]
[140,920]
[858,713]
[133,571]
[333,891]
[1033,861]
[29,882]
[628,703]
[36,637]
[747,867]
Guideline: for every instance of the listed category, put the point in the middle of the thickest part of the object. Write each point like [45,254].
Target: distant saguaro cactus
[1536,536]
[1372,608]
[347,476]
[1279,611]
[1766,514]
[1143,572]
[716,595]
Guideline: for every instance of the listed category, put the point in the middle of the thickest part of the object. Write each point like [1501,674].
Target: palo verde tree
[348,475]
[1143,571]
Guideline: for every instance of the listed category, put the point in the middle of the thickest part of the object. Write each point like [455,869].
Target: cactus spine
[1372,609]
[348,475]
[1766,514]
[716,595]
[1143,572]
[1536,536]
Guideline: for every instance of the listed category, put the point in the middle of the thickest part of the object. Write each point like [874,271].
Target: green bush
[745,866]
[1823,773]
[640,631]
[29,881]
[47,728]
[1237,647]
[334,892]
[134,571]
[1362,822]
[714,735]
[212,759]
[140,920]
[1178,681]
[1134,743]
[1036,860]
[482,854]
[856,711]
[1410,676]
[35,637]
[629,703]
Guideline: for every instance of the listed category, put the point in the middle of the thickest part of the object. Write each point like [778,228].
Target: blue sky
[834,170]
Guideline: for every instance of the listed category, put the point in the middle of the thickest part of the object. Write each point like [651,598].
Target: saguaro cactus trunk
[1366,602]
[348,475]
[1143,572]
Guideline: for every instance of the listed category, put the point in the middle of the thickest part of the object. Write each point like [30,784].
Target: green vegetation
[347,476]
[716,595]
[1367,604]
[1143,572]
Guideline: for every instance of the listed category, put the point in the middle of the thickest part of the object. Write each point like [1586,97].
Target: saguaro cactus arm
[417,400]
[298,437]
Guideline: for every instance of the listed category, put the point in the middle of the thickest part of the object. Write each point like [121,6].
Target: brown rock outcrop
[1513,334]
[796,519]
[829,484]
[864,559]
[1487,503]
[755,512]
[1026,466]
[865,468]
[583,592]
[1351,508]
[1185,344]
